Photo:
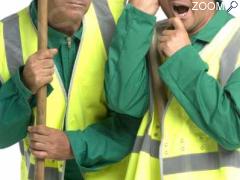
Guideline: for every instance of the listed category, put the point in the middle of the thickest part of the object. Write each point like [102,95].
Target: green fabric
[184,73]
[98,145]
[117,132]
[214,108]
[15,111]
[126,82]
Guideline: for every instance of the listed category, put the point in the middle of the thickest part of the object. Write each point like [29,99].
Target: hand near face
[49,143]
[171,41]
[147,6]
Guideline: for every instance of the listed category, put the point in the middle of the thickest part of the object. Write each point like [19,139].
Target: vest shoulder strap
[12,41]
[105,20]
[230,54]
[226,42]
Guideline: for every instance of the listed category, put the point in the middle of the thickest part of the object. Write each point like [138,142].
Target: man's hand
[170,41]
[39,69]
[49,143]
[147,6]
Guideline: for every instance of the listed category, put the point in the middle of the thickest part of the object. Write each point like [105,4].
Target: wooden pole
[42,93]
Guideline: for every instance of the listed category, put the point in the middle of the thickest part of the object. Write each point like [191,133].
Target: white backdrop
[10,157]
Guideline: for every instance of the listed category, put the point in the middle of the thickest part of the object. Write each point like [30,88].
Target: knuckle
[31,65]
[168,44]
[44,53]
[35,73]
[33,144]
[40,128]
[41,53]
[44,156]
[48,53]
[34,136]
[51,62]
[36,144]
[37,80]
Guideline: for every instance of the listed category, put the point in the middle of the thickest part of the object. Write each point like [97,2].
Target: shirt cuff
[139,15]
[182,67]
[22,89]
[78,146]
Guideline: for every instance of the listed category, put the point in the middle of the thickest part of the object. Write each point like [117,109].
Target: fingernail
[54,51]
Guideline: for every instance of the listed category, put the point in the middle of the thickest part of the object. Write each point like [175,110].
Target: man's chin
[74,16]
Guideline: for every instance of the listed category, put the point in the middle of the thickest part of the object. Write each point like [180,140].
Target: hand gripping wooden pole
[42,93]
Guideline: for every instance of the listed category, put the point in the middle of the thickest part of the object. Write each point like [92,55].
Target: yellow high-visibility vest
[176,149]
[85,103]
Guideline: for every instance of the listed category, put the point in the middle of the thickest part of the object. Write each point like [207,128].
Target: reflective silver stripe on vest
[229,58]
[50,173]
[12,42]
[201,162]
[147,144]
[21,147]
[26,154]
[105,20]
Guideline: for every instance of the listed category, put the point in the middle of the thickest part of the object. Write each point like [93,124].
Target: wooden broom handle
[42,92]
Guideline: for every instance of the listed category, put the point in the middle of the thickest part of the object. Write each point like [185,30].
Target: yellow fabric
[142,165]
[180,135]
[3,63]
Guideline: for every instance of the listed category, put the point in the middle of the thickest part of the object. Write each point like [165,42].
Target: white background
[10,157]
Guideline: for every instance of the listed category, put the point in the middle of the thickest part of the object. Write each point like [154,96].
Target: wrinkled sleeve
[213,108]
[126,75]
[105,142]
[15,111]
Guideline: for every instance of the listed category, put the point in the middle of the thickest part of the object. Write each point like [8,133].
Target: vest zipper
[69,42]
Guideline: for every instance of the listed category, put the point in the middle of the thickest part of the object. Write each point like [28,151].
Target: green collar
[56,38]
[213,26]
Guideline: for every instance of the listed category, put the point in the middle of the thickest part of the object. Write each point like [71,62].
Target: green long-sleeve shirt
[126,75]
[96,146]
[216,108]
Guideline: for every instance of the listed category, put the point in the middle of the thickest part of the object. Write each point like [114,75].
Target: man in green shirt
[213,106]
[176,44]
[87,150]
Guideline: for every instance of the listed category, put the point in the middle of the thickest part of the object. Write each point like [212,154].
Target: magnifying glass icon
[233,5]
